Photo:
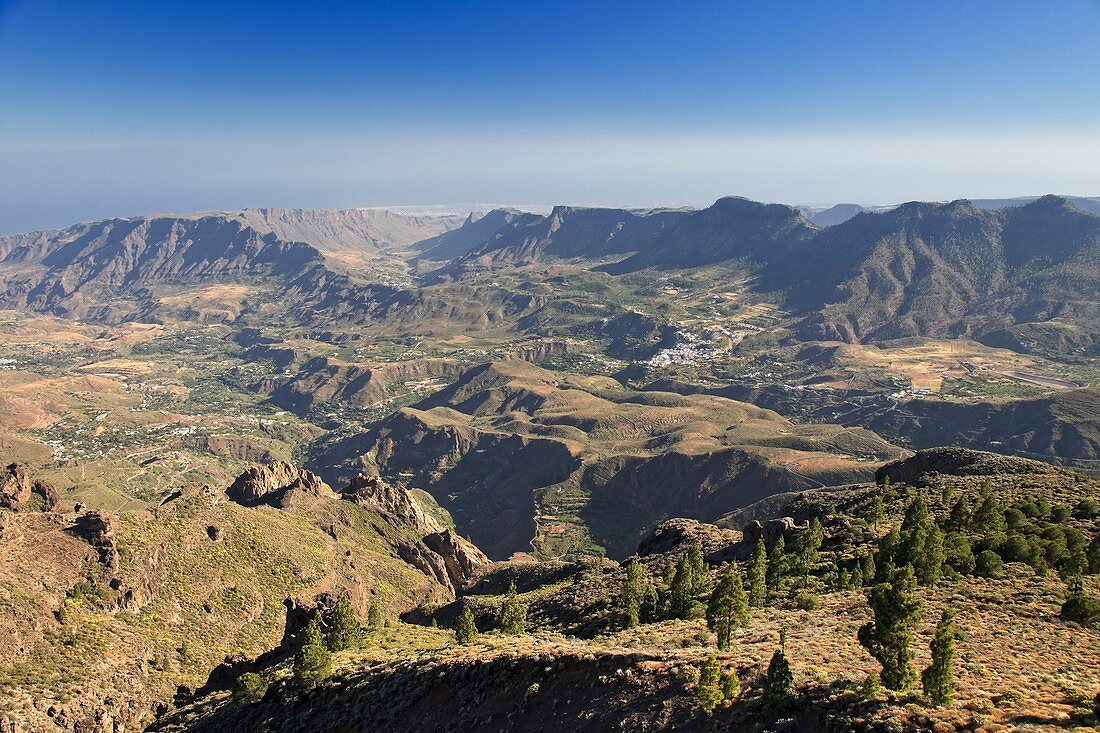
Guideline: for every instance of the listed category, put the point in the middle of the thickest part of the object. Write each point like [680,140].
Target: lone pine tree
[466,629]
[889,638]
[313,661]
[728,606]
[513,613]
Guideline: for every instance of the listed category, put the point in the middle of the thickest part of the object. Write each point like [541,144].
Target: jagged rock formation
[771,530]
[96,529]
[276,484]
[393,501]
[16,490]
[15,487]
[461,558]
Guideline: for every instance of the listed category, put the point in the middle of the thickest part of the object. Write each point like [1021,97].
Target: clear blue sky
[117,108]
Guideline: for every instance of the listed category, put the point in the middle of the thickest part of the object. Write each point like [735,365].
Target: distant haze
[114,109]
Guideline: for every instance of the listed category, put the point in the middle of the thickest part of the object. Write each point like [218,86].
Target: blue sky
[120,108]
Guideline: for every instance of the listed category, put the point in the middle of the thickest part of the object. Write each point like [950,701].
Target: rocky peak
[671,539]
[15,487]
[275,484]
[95,528]
[392,501]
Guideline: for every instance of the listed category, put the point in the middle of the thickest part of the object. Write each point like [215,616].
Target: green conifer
[938,678]
[889,638]
[728,606]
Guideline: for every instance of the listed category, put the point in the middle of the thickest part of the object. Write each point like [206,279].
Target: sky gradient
[123,108]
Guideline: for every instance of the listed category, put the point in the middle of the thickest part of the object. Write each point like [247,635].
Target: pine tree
[513,613]
[708,691]
[928,564]
[698,568]
[731,685]
[630,595]
[758,575]
[778,680]
[344,631]
[466,629]
[313,661]
[876,511]
[885,558]
[649,609]
[777,564]
[374,617]
[959,519]
[728,607]
[938,678]
[889,638]
[807,547]
[680,597]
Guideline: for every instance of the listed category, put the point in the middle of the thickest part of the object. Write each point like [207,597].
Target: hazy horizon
[116,109]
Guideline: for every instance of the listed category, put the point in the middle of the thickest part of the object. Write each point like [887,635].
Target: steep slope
[521,456]
[944,270]
[106,614]
[731,229]
[566,232]
[348,231]
[475,232]
[81,270]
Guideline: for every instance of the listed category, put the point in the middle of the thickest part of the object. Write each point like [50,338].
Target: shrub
[1016,549]
[988,564]
[807,601]
[1087,509]
[251,688]
[1060,514]
[1081,608]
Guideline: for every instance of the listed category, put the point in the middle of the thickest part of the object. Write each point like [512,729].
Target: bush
[988,564]
[1087,509]
[1081,609]
[1060,514]
[1016,549]
[251,688]
[807,601]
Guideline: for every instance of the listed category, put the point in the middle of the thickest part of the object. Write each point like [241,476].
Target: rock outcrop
[673,537]
[393,501]
[15,487]
[957,462]
[95,529]
[275,484]
[461,558]
[772,530]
